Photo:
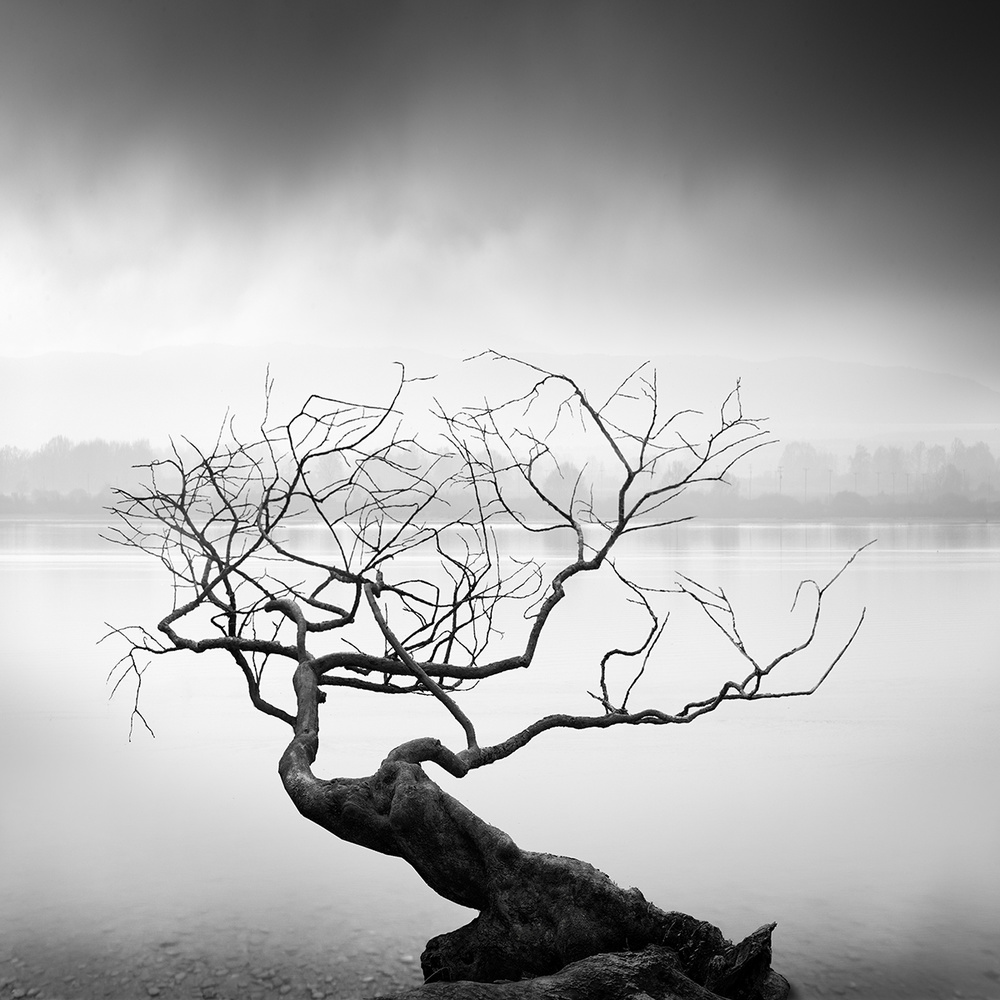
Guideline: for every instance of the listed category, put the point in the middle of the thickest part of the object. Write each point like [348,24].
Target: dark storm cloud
[897,98]
[813,148]
[240,88]
[270,86]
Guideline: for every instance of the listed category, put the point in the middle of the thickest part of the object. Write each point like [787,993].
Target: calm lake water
[865,820]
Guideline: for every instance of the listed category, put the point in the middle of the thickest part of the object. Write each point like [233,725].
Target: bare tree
[347,614]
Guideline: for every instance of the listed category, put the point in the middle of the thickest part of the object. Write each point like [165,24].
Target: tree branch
[419,672]
[225,522]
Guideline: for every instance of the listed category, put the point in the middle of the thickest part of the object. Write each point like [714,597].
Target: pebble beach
[256,965]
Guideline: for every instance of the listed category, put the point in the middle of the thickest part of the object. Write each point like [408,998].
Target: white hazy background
[190,192]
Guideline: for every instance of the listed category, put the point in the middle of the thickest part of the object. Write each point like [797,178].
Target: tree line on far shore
[75,479]
[887,481]
[68,478]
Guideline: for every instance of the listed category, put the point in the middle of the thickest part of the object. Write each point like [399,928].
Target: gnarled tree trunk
[542,918]
[216,519]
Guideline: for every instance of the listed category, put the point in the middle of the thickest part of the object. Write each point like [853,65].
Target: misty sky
[751,179]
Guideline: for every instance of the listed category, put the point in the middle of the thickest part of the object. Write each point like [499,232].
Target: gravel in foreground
[256,967]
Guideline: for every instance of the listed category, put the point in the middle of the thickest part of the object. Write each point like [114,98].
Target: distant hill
[180,392]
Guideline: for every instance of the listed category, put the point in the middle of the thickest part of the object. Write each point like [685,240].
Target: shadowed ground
[235,964]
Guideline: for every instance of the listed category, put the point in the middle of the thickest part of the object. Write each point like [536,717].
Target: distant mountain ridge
[177,391]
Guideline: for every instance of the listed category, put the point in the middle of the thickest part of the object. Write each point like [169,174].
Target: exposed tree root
[651,974]
[540,915]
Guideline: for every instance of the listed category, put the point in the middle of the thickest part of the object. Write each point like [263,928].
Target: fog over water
[862,819]
[800,195]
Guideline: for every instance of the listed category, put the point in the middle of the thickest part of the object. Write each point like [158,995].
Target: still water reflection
[862,818]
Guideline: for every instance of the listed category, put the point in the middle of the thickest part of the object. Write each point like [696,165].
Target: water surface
[864,819]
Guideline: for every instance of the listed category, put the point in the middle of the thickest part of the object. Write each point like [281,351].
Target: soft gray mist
[196,197]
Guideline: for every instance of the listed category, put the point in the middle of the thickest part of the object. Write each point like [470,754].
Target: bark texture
[538,913]
[650,974]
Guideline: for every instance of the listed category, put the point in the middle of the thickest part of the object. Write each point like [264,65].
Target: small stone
[17,994]
[285,990]
[153,991]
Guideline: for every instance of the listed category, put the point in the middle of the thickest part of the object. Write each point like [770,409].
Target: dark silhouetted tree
[354,613]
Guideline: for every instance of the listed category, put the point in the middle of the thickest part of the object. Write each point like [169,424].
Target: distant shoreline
[978,514]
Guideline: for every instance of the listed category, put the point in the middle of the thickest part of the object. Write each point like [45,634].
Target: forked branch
[276,543]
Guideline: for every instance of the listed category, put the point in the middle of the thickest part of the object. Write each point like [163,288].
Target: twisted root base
[548,912]
[650,974]
[548,926]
